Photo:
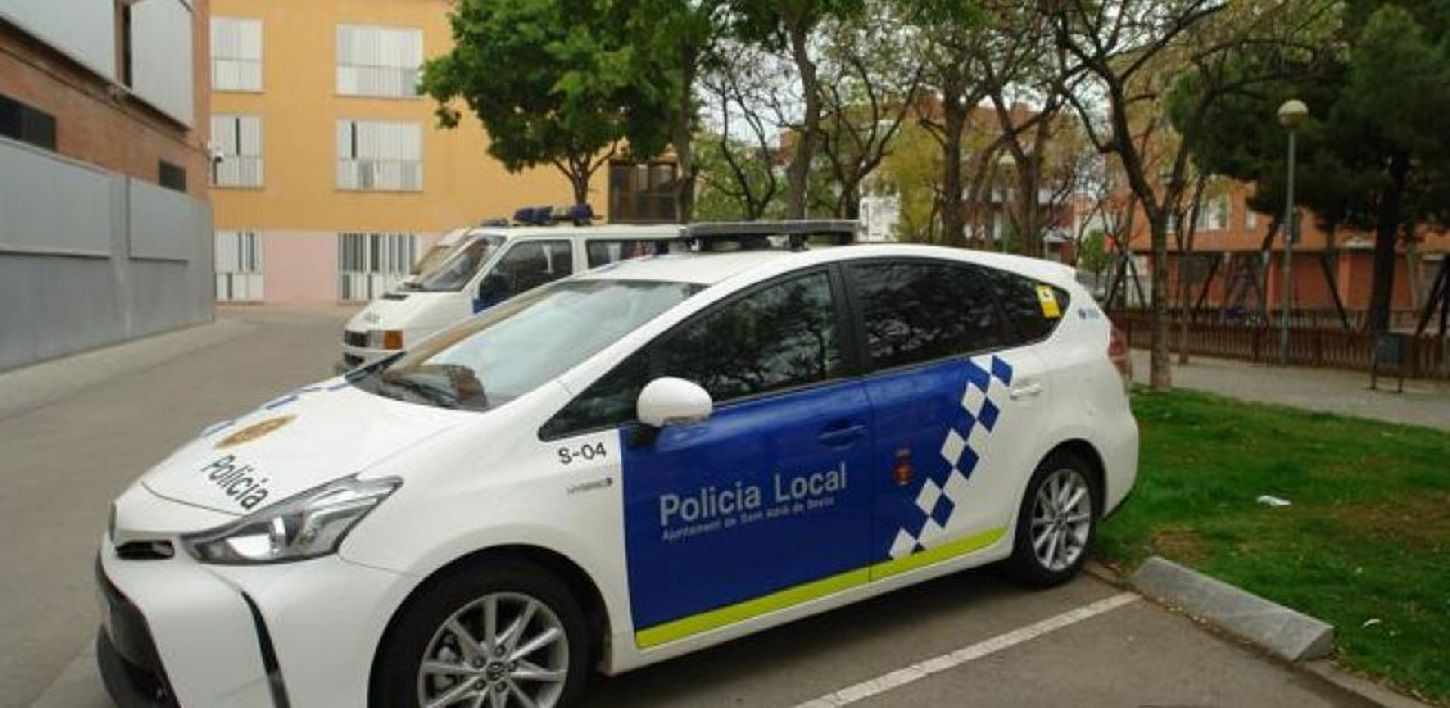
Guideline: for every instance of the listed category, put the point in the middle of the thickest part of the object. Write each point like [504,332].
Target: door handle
[1028,389]
[841,437]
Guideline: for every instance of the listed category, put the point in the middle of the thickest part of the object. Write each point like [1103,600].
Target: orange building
[331,175]
[1228,248]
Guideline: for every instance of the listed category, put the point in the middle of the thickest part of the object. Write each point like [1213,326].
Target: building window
[378,61]
[1213,214]
[238,266]
[379,155]
[172,176]
[236,54]
[125,69]
[237,156]
[21,122]
[1251,219]
[370,264]
[642,193]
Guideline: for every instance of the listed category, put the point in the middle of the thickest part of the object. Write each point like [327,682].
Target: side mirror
[670,401]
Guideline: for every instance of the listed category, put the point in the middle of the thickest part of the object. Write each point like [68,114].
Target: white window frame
[370,264]
[237,140]
[1213,214]
[240,268]
[378,61]
[243,61]
[379,155]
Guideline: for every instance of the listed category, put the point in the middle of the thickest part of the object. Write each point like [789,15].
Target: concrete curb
[1279,630]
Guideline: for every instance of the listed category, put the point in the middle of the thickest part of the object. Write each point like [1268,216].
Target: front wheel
[492,635]
[1056,523]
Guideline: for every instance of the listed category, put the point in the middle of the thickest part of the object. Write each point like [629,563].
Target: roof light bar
[579,215]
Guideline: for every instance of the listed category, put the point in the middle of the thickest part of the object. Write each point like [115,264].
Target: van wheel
[496,634]
[1056,523]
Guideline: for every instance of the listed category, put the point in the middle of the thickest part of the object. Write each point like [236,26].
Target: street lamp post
[1004,163]
[1291,115]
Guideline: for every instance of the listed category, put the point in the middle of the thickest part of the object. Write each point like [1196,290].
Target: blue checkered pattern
[943,489]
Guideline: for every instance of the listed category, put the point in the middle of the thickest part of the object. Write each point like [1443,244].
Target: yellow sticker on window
[1048,298]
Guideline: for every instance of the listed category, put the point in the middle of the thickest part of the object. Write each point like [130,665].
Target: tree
[790,26]
[951,33]
[548,89]
[674,37]
[1373,152]
[738,162]
[871,78]
[1133,51]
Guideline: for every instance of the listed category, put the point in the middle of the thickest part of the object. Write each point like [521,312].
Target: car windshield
[457,267]
[437,253]
[513,348]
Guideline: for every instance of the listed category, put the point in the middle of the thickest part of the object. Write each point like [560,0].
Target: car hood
[296,442]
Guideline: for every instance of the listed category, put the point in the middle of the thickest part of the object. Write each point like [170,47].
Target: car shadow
[712,672]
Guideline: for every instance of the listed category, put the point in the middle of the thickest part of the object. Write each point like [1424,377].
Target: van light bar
[579,215]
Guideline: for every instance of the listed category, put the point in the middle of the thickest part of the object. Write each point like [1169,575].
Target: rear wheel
[1056,523]
[493,635]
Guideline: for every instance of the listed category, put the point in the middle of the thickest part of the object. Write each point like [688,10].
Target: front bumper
[299,634]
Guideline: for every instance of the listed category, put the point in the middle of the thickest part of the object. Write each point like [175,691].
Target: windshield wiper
[433,394]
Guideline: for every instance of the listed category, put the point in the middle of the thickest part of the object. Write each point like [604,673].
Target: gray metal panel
[161,221]
[49,204]
[83,29]
[161,56]
[56,305]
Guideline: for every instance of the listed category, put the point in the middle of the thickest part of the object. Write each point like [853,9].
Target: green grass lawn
[1364,546]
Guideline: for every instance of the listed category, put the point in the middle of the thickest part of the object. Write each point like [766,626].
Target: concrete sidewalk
[1425,403]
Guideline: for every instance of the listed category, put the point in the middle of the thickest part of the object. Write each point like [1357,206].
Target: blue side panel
[765,495]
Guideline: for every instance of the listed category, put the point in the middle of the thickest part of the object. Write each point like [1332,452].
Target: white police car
[618,468]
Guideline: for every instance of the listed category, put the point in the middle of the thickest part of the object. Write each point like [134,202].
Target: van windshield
[457,267]
[513,348]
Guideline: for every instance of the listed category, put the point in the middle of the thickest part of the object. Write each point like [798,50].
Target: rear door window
[1033,308]
[915,311]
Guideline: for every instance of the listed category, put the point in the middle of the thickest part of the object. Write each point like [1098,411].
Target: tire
[1038,559]
[552,674]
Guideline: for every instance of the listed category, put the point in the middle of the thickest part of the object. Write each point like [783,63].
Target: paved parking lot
[74,433]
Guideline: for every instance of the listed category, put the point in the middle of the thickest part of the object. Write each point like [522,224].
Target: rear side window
[1033,309]
[602,252]
[916,311]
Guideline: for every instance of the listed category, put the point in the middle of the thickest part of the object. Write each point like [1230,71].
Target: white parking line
[923,669]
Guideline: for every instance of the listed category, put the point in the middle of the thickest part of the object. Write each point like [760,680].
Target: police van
[472,269]
[619,467]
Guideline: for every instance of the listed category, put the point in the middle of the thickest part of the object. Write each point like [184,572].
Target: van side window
[1023,301]
[915,311]
[601,252]
[527,265]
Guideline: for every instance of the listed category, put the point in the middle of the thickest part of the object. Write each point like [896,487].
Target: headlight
[385,338]
[308,525]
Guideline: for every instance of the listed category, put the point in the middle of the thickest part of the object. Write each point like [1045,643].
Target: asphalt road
[74,433]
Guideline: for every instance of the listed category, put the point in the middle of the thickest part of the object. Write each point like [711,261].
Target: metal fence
[1317,346]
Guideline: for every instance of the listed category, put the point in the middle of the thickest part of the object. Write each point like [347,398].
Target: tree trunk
[682,139]
[580,183]
[954,119]
[798,175]
[1387,230]
[1160,375]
